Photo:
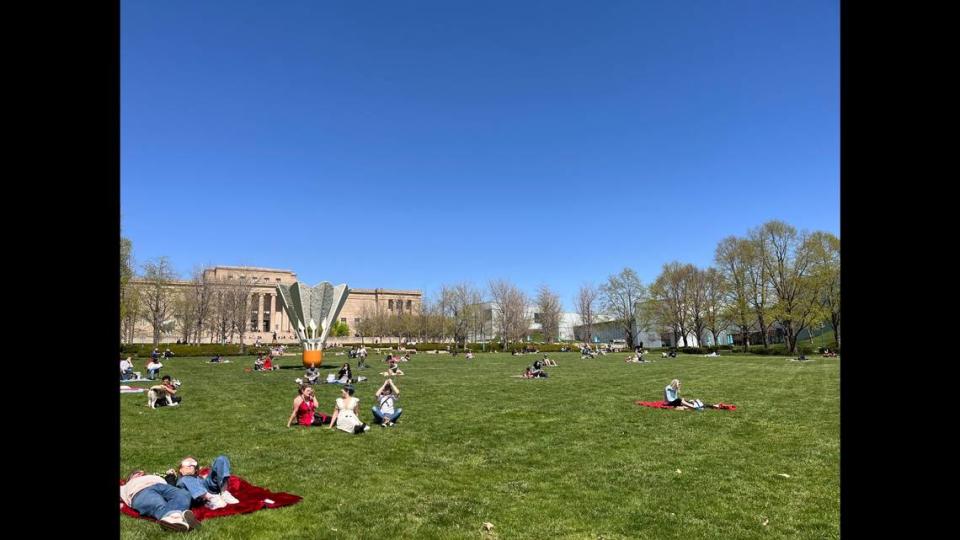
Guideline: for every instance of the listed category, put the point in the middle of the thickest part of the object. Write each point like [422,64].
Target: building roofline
[256,268]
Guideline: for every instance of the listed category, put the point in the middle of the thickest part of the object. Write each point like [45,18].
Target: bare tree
[759,293]
[714,292]
[511,305]
[156,297]
[238,292]
[671,290]
[221,316]
[200,292]
[621,296]
[586,306]
[184,313]
[733,257]
[697,294]
[462,303]
[551,310]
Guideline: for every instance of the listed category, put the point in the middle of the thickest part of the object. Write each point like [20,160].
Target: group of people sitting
[264,363]
[828,354]
[346,413]
[168,498]
[536,370]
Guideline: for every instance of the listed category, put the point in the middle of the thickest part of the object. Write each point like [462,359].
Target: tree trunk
[763,331]
[835,323]
[791,339]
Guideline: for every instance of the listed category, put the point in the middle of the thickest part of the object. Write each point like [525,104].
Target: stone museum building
[267,315]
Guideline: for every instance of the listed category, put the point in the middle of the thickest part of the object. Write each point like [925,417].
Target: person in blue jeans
[152,496]
[210,491]
[385,411]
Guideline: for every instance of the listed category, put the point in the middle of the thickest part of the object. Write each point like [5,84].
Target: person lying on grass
[346,416]
[386,412]
[152,496]
[305,409]
[210,491]
[548,362]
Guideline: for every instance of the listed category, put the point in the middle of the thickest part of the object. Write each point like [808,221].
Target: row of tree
[773,275]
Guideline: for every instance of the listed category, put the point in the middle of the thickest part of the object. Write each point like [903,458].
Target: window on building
[409,305]
[536,318]
[343,319]
[390,304]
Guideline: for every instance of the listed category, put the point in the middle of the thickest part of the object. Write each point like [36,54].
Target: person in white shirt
[153,369]
[386,411]
[126,369]
[346,417]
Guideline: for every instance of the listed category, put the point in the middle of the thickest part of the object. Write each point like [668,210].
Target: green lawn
[566,457]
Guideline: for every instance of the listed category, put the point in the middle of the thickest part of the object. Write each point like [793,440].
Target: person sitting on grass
[346,416]
[345,374]
[828,354]
[671,395]
[532,373]
[258,363]
[393,371]
[469,355]
[126,369]
[312,375]
[152,496]
[548,362]
[216,359]
[166,387]
[586,352]
[168,353]
[153,369]
[210,491]
[385,411]
[268,364]
[305,409]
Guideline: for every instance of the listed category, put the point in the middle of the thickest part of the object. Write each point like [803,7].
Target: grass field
[570,456]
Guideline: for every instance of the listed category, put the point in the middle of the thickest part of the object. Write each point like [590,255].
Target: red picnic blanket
[663,405]
[251,497]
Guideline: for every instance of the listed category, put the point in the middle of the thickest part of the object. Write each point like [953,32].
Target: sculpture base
[312,358]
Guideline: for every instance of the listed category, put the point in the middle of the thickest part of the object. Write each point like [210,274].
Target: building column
[260,312]
[274,321]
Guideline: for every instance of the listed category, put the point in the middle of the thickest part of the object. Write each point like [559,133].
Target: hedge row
[205,349]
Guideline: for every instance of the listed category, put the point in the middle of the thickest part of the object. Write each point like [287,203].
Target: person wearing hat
[211,490]
[152,496]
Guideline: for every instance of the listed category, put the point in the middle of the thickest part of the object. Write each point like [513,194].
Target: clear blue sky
[409,144]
